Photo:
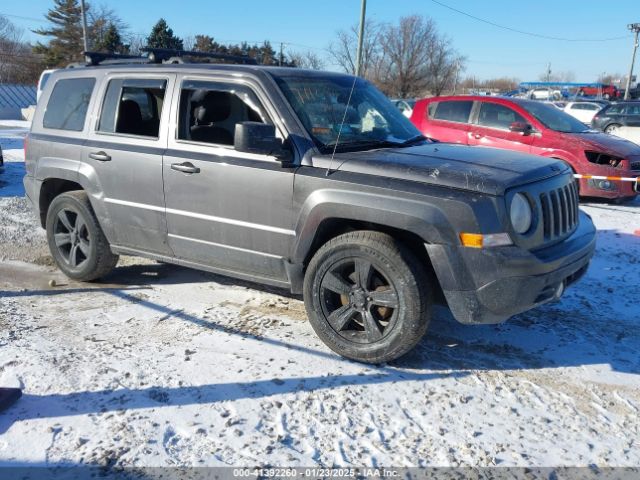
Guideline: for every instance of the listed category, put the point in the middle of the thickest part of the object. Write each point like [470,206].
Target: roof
[198,68]
[17,96]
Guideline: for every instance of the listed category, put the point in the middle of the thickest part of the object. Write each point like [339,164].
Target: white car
[405,106]
[583,111]
[544,94]
[44,76]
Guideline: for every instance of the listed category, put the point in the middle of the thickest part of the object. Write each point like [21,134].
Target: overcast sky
[491,51]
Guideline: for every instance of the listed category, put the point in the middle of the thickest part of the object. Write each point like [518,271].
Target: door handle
[477,136]
[100,156]
[185,167]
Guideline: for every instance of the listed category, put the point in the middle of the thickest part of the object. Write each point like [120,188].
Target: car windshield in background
[335,117]
[553,118]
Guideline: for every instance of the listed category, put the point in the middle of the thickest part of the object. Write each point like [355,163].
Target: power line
[531,34]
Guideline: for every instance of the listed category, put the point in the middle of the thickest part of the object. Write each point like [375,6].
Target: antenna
[344,117]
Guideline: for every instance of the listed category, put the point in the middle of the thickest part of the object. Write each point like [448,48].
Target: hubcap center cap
[358,298]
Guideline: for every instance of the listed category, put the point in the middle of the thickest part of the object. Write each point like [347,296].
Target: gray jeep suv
[307,180]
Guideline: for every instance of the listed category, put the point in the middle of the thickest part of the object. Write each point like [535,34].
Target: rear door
[124,154]
[491,128]
[228,210]
[448,120]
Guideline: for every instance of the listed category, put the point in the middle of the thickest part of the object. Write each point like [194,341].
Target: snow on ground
[160,365]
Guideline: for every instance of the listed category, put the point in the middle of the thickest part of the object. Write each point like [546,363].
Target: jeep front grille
[559,211]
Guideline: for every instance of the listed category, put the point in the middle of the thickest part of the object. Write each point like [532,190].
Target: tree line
[408,59]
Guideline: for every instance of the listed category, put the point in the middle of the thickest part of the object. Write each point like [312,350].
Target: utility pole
[281,61]
[634,27]
[83,10]
[363,13]
[455,80]
[548,80]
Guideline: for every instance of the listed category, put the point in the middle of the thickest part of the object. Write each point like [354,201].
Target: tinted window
[455,111]
[133,107]
[614,109]
[68,104]
[497,116]
[632,109]
[553,118]
[209,111]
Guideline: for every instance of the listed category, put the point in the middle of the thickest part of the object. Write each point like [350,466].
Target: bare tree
[408,53]
[17,63]
[405,60]
[443,66]
[343,49]
[307,59]
[101,18]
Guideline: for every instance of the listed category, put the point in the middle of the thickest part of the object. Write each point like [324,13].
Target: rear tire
[612,128]
[367,296]
[76,241]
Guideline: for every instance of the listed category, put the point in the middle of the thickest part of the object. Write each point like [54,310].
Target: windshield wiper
[374,143]
[362,143]
[412,140]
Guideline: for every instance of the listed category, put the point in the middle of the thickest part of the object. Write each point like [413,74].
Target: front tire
[76,241]
[367,296]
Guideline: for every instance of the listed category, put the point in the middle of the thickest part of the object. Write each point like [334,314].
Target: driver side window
[210,111]
[497,116]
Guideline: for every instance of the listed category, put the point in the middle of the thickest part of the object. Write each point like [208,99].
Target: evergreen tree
[66,29]
[162,37]
[111,42]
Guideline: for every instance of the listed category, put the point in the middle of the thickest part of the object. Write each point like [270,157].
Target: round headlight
[521,213]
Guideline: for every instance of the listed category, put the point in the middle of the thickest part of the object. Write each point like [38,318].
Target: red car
[533,127]
[607,91]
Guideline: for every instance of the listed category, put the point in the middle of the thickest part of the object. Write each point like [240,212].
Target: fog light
[602,184]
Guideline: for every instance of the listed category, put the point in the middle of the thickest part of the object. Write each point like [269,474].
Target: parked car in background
[604,91]
[544,94]
[44,76]
[616,115]
[405,105]
[583,110]
[532,127]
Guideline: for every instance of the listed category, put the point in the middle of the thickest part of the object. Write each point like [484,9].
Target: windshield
[553,118]
[370,119]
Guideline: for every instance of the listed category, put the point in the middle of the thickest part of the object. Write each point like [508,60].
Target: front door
[491,129]
[229,210]
[123,154]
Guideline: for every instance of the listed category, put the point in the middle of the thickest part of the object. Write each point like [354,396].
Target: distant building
[13,98]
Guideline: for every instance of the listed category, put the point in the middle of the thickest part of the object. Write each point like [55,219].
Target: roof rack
[158,55]
[167,55]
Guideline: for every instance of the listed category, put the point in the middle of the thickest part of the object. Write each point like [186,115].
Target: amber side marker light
[478,240]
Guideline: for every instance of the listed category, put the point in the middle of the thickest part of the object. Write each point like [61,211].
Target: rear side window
[454,111]
[615,109]
[133,107]
[497,116]
[68,104]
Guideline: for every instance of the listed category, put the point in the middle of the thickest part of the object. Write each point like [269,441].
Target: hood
[605,143]
[478,169]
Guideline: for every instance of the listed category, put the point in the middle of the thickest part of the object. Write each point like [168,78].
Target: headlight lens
[521,213]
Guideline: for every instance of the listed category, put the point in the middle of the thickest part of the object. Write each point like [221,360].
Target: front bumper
[492,284]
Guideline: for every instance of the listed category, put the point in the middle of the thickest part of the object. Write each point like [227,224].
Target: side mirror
[521,127]
[259,138]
